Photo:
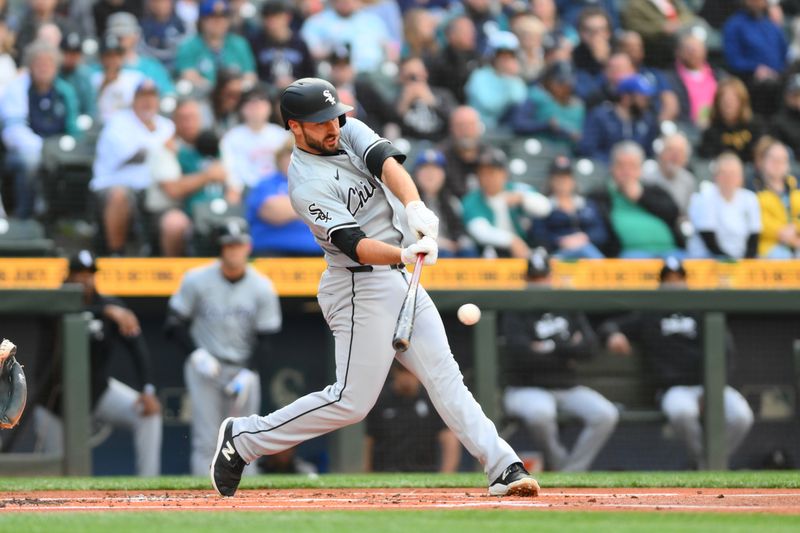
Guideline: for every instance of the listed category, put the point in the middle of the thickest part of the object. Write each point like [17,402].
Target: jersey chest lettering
[359,195]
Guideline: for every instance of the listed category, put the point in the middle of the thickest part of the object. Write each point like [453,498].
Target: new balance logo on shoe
[228,451]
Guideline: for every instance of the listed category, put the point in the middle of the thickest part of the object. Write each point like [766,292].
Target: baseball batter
[222,316]
[349,186]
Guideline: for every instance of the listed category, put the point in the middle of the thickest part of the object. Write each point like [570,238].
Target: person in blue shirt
[162,31]
[629,118]
[495,88]
[36,106]
[570,10]
[552,110]
[575,228]
[755,50]
[275,228]
[281,55]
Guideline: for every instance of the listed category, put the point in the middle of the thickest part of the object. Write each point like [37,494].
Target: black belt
[370,268]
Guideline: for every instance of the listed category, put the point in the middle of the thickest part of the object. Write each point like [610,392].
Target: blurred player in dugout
[222,317]
[113,402]
[404,431]
[672,343]
[541,351]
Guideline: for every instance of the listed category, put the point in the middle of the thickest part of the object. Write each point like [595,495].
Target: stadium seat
[530,158]
[67,170]
[24,238]
[590,175]
[205,217]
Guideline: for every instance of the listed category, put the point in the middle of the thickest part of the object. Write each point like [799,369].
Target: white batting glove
[205,363]
[421,220]
[241,382]
[426,246]
[241,386]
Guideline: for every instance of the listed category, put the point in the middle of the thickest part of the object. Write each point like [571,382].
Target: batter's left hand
[426,246]
[422,221]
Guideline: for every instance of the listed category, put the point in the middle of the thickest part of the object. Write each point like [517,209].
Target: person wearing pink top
[694,80]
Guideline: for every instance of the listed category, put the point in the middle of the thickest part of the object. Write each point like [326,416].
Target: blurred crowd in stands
[593,128]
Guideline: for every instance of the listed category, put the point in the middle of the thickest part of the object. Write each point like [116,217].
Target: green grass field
[396,521]
[451,521]
[744,479]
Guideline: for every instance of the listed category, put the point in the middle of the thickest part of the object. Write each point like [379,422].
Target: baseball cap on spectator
[561,165]
[538,264]
[493,157]
[213,8]
[72,42]
[82,261]
[275,7]
[560,72]
[122,24]
[672,265]
[636,84]
[502,41]
[339,54]
[793,85]
[430,157]
[146,86]
[110,44]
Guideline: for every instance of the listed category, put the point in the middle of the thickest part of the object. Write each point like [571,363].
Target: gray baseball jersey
[337,192]
[226,316]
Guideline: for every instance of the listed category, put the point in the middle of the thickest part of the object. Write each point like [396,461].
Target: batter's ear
[295,127]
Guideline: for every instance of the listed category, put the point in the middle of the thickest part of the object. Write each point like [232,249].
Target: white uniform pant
[210,406]
[117,407]
[539,409]
[681,405]
[361,310]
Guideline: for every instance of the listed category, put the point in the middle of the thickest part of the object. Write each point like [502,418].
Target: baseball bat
[405,320]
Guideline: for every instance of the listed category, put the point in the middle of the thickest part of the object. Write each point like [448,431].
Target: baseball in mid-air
[469,314]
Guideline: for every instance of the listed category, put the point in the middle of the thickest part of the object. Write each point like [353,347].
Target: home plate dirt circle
[784,501]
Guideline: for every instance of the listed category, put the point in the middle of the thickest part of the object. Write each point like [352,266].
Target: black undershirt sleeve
[176,328]
[710,240]
[378,153]
[347,239]
[752,246]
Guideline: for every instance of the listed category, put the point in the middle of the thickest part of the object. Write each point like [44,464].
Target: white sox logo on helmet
[329,97]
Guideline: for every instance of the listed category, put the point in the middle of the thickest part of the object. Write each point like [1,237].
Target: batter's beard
[319,147]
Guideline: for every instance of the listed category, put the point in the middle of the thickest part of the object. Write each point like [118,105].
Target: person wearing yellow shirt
[779,199]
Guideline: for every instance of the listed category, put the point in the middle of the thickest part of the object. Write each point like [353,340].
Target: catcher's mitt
[13,388]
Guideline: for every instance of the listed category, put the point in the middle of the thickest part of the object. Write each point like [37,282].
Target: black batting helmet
[312,100]
[233,230]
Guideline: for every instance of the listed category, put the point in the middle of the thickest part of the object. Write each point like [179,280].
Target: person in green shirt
[500,212]
[642,217]
[75,72]
[200,57]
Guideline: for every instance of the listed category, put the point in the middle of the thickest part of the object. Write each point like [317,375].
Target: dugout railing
[66,303]
[714,304]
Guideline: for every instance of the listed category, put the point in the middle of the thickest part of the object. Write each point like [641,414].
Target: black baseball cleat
[227,465]
[514,481]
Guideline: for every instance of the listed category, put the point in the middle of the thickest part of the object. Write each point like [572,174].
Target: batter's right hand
[426,246]
[205,363]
